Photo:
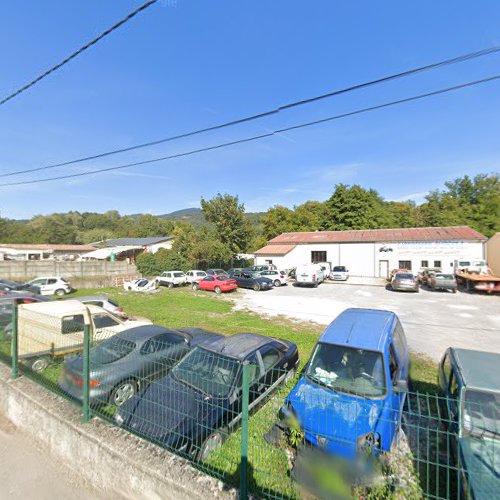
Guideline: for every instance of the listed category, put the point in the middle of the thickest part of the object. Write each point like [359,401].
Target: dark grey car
[128,361]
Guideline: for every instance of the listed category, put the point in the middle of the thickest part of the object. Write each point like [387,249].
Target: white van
[50,329]
[309,274]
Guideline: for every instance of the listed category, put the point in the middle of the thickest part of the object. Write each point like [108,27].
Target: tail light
[78,381]
[314,276]
[119,309]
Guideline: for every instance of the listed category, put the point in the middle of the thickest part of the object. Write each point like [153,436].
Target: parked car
[52,285]
[195,276]
[326,267]
[7,302]
[441,281]
[12,286]
[404,282]
[216,272]
[217,284]
[171,279]
[195,406]
[125,363]
[51,329]
[310,274]
[245,279]
[106,303]
[339,273]
[351,396]
[426,274]
[277,277]
[233,270]
[262,267]
[139,285]
[470,383]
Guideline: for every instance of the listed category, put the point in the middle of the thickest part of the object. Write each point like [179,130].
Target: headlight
[118,419]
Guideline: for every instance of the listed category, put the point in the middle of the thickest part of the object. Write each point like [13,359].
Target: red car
[216,284]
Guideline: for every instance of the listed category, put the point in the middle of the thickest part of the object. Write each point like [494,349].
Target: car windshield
[111,350]
[339,269]
[404,276]
[347,369]
[223,277]
[481,414]
[208,372]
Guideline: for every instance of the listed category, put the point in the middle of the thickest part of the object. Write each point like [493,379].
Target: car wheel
[60,292]
[129,288]
[210,444]
[277,283]
[195,286]
[217,289]
[170,284]
[256,287]
[39,364]
[123,392]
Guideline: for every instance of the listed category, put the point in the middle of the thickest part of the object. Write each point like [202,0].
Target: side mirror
[401,386]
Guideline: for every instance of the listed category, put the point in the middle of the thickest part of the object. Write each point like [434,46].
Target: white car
[310,274]
[171,279]
[195,276]
[339,273]
[279,277]
[106,303]
[51,285]
[326,268]
[139,285]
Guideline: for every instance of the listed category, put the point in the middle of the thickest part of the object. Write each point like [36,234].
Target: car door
[207,283]
[246,280]
[42,284]
[396,398]
[270,358]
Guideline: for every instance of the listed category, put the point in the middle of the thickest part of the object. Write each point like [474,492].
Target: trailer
[479,282]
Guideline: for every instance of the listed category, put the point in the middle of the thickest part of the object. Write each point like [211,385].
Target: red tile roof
[275,250]
[380,235]
[48,246]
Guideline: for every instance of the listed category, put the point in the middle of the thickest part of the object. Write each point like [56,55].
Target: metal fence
[255,422]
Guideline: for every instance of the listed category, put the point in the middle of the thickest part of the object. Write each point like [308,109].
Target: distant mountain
[195,216]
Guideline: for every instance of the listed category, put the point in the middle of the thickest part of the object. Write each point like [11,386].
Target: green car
[470,383]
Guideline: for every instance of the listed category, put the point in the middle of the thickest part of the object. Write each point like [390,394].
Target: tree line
[228,231]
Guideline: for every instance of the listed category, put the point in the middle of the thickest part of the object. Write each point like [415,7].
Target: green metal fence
[233,419]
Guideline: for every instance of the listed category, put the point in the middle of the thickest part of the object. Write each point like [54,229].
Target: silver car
[405,282]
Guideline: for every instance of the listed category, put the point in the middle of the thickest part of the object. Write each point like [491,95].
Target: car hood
[340,418]
[167,410]
[481,460]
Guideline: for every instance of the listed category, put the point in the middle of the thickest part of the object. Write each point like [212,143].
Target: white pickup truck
[171,279]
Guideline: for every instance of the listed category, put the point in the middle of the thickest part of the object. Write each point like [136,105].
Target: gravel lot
[432,321]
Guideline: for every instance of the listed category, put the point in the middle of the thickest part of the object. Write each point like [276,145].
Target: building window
[269,261]
[424,263]
[318,257]
[437,263]
[405,264]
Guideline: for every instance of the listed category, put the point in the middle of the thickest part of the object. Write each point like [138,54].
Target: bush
[150,264]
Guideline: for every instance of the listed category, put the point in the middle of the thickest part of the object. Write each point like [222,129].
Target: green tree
[228,218]
[277,220]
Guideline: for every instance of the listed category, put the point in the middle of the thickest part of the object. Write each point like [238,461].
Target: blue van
[351,395]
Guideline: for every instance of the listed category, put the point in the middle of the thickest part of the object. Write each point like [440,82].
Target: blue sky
[182,65]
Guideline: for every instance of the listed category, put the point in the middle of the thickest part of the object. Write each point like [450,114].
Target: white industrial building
[375,252]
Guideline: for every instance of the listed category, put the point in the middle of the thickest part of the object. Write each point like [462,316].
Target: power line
[446,62]
[262,136]
[77,52]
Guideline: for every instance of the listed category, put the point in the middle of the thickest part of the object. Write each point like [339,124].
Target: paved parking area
[432,320]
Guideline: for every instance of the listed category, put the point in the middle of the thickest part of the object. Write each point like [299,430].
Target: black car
[129,360]
[195,406]
[246,279]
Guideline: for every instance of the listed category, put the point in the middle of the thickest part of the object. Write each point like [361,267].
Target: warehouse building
[375,252]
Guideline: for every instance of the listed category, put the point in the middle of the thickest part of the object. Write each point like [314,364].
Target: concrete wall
[112,460]
[80,274]
[366,259]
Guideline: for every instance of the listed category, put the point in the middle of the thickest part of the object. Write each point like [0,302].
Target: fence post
[244,433]
[86,374]
[14,350]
